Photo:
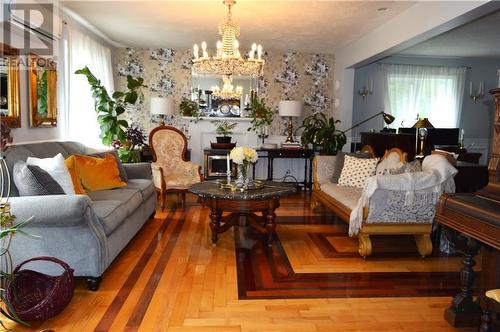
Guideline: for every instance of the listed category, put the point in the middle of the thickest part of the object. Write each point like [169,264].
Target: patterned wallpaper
[295,76]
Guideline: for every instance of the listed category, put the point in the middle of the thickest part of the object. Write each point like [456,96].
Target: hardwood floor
[171,278]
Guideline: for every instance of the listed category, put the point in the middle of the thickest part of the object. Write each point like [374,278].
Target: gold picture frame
[10,63]
[42,79]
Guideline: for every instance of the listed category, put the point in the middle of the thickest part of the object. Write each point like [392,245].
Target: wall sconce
[476,94]
[367,89]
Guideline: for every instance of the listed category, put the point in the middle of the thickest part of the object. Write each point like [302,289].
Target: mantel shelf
[213,118]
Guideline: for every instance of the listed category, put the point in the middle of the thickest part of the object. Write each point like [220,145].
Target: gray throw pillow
[31,180]
[121,169]
[339,162]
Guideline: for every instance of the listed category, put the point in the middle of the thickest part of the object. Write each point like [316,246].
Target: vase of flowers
[243,156]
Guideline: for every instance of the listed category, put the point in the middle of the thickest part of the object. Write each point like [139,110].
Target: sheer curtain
[81,120]
[424,91]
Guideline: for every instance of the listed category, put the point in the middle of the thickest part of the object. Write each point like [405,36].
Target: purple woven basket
[34,296]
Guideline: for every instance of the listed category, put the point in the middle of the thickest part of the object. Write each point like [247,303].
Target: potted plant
[134,138]
[224,129]
[321,133]
[261,114]
[109,109]
[189,108]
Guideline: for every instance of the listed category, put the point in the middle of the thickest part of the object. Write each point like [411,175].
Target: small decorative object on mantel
[243,156]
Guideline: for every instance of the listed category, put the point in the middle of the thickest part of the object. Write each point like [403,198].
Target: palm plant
[322,134]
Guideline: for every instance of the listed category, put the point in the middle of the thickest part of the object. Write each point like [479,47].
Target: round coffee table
[265,200]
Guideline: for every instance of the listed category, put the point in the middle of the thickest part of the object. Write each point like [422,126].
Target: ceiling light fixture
[228,60]
[228,91]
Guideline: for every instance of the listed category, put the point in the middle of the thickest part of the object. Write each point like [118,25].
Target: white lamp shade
[162,105]
[290,108]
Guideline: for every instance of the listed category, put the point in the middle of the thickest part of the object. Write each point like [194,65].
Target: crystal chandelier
[228,91]
[228,60]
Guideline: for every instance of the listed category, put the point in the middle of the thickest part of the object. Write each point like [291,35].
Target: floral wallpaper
[293,76]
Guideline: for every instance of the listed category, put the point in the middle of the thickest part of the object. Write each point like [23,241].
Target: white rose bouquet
[243,155]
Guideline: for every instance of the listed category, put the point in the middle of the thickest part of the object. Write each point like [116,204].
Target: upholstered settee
[388,204]
[86,231]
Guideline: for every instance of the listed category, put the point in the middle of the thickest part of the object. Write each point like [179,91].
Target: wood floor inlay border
[266,273]
[122,295]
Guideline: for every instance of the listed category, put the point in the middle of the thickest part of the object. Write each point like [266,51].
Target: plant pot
[223,139]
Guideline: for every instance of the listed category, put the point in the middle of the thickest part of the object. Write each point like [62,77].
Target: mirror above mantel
[223,95]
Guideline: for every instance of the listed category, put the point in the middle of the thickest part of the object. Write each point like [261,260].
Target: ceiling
[302,26]
[478,38]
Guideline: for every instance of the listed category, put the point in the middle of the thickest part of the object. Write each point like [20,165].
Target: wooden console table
[305,154]
[242,204]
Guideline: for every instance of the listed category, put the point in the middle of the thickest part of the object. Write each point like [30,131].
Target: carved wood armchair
[171,172]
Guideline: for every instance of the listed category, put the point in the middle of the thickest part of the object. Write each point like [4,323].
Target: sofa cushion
[146,187]
[110,213]
[98,174]
[114,153]
[57,168]
[347,196]
[33,181]
[356,171]
[131,199]
[339,163]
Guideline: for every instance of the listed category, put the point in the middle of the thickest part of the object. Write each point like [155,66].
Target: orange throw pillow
[77,184]
[98,173]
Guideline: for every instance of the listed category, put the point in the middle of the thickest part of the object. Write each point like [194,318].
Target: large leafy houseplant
[109,109]
[127,151]
[261,114]
[322,134]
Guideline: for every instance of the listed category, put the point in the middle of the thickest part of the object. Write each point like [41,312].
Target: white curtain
[81,119]
[424,91]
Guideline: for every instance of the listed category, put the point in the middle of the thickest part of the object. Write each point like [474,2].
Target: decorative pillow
[356,170]
[77,183]
[31,180]
[413,166]
[114,153]
[57,169]
[339,163]
[98,173]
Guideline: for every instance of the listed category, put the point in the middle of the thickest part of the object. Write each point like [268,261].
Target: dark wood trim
[183,154]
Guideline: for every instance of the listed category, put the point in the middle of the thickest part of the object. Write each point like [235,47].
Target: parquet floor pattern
[171,278]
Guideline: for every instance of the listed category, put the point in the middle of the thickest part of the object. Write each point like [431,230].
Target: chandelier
[228,91]
[228,60]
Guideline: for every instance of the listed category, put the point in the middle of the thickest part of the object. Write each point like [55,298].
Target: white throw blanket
[436,177]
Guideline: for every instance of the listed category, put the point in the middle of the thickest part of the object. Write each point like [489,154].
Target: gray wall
[475,117]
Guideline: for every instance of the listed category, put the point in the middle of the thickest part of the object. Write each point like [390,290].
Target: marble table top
[271,189]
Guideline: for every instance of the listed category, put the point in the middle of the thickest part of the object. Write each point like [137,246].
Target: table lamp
[162,106]
[421,132]
[290,108]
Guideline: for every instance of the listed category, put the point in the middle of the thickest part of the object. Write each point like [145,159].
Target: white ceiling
[302,26]
[479,38]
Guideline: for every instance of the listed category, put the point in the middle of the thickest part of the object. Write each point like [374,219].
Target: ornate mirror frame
[11,60]
[48,67]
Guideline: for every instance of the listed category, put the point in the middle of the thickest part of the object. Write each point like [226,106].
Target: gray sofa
[86,231]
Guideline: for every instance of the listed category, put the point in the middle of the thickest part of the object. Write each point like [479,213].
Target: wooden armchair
[171,172]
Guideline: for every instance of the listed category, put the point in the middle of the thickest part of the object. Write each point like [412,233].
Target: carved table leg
[464,312]
[485,321]
[270,224]
[215,216]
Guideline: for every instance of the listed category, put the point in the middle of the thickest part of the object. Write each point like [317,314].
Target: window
[424,91]
[81,119]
